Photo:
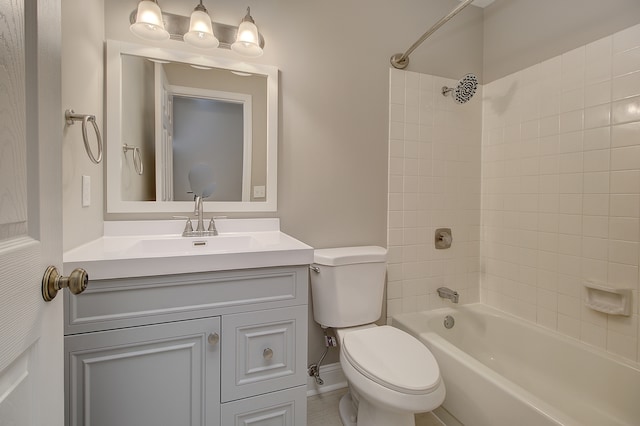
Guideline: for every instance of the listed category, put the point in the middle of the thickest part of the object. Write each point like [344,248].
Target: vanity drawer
[283,408]
[263,351]
[118,303]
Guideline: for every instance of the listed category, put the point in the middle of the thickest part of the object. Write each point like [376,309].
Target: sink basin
[147,248]
[193,245]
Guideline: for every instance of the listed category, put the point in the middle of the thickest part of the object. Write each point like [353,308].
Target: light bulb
[248,40]
[149,23]
[200,29]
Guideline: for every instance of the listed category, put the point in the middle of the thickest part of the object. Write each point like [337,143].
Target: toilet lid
[392,358]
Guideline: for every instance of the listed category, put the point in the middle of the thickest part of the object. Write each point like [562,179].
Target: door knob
[52,282]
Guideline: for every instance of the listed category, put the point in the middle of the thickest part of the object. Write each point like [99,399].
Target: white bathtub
[500,370]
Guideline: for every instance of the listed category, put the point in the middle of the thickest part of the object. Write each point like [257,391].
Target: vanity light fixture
[247,41]
[201,29]
[149,22]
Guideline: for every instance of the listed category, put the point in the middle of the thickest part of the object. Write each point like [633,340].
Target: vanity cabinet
[207,349]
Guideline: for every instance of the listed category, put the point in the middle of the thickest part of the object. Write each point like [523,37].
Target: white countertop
[147,248]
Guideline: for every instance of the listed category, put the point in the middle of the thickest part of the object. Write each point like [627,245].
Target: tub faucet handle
[443,238]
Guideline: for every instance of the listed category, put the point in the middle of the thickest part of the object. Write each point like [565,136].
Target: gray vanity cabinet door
[163,374]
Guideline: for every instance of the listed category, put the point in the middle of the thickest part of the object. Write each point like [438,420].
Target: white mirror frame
[115,203]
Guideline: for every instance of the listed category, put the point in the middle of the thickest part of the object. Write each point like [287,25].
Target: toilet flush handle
[314,269]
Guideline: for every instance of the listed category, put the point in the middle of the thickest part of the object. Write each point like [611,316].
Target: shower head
[464,90]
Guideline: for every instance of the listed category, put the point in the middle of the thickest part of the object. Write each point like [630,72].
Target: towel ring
[137,157]
[71,117]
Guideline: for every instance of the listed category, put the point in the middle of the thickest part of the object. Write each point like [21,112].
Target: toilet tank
[347,285]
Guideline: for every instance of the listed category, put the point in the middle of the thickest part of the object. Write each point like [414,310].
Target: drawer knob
[267,353]
[213,339]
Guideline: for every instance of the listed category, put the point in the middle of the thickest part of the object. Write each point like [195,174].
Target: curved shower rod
[401,60]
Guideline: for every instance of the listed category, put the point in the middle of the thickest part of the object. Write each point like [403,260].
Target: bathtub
[501,370]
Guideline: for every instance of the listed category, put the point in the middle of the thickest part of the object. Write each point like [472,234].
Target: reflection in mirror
[184,110]
[201,180]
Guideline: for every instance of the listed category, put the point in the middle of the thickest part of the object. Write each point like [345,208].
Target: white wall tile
[625,252]
[593,335]
[598,93]
[625,205]
[624,228]
[434,173]
[625,110]
[596,161]
[559,199]
[625,134]
[595,248]
[598,52]
[599,138]
[626,39]
[597,116]
[626,62]
[625,182]
[587,166]
[626,86]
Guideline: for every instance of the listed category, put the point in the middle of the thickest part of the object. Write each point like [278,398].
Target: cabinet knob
[213,339]
[267,353]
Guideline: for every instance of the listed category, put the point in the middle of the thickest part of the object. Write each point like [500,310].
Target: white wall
[561,189]
[434,182]
[82,90]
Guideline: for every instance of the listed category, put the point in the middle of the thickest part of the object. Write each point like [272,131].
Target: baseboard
[332,376]
[445,417]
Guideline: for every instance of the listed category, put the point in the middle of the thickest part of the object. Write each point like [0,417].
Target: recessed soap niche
[609,300]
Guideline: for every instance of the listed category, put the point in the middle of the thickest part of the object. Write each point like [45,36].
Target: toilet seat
[393,359]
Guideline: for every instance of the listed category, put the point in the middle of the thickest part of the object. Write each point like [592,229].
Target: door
[31,122]
[164,135]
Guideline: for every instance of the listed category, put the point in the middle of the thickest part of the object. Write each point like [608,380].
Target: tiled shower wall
[434,182]
[561,190]
[560,173]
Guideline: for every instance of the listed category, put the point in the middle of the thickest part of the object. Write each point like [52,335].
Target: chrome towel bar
[71,117]
[137,157]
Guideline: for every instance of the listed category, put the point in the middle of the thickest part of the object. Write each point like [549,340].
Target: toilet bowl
[391,375]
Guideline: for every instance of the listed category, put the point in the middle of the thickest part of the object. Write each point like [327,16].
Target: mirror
[185,111]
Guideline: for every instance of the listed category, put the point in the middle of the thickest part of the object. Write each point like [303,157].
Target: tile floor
[322,410]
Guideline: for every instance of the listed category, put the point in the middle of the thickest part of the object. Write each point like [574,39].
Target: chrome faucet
[447,293]
[200,230]
[199,214]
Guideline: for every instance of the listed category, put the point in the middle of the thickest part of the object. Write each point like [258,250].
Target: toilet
[391,375]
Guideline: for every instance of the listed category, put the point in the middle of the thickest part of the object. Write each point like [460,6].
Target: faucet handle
[188,227]
[212,225]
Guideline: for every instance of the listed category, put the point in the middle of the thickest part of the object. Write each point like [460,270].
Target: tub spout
[447,293]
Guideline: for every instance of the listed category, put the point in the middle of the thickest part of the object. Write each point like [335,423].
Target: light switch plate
[259,191]
[86,191]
